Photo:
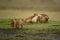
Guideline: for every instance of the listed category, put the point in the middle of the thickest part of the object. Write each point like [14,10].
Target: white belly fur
[34,19]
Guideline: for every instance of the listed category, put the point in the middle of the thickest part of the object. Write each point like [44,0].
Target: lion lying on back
[37,18]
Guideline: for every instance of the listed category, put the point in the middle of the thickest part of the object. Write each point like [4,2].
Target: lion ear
[35,14]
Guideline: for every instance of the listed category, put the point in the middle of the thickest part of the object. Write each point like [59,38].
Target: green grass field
[30,31]
[52,26]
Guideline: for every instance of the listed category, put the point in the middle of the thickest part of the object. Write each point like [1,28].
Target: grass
[9,13]
[48,5]
[30,31]
[50,27]
[8,33]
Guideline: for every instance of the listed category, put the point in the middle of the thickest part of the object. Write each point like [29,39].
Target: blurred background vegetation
[50,5]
